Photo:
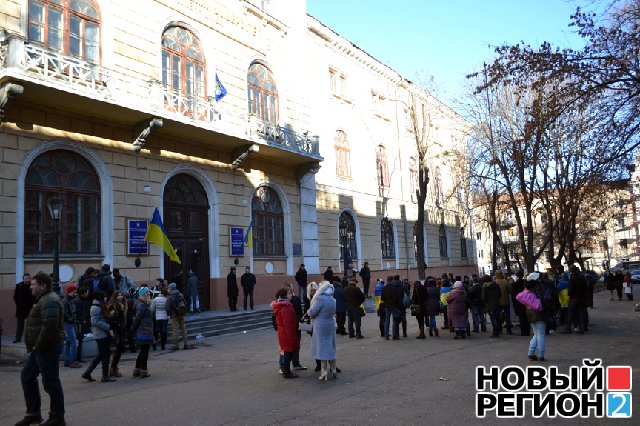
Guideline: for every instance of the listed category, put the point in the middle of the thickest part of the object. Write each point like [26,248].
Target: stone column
[309,222]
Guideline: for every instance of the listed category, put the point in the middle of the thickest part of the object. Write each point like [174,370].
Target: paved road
[234,380]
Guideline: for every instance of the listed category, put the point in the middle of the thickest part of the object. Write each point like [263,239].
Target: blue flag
[220,92]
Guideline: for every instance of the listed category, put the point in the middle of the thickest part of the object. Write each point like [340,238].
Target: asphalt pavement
[234,379]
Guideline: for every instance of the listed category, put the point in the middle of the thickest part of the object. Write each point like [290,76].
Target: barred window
[463,243]
[386,239]
[442,238]
[67,175]
[268,223]
[350,249]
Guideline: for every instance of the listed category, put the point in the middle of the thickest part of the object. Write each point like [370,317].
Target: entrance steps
[210,324]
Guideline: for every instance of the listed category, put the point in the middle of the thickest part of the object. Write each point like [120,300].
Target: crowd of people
[543,302]
[102,304]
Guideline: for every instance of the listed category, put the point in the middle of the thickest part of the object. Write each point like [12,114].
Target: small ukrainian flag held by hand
[248,238]
[220,91]
[157,235]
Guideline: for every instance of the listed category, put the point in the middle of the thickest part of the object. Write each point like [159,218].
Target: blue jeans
[70,343]
[48,366]
[389,314]
[432,323]
[479,319]
[537,341]
[302,292]
[496,321]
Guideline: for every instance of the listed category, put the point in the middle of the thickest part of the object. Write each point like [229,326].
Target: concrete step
[219,325]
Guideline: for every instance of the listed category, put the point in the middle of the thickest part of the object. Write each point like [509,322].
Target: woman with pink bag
[536,315]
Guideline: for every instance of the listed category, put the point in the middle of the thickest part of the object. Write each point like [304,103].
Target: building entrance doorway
[186,214]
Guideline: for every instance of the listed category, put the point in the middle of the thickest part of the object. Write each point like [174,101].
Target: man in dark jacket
[477,307]
[392,296]
[70,322]
[519,308]
[248,282]
[576,290]
[365,274]
[491,299]
[341,306]
[301,279]
[44,339]
[24,301]
[328,274]
[83,317]
[232,289]
[353,298]
[106,283]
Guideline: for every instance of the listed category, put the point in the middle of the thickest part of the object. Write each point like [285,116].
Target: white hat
[533,276]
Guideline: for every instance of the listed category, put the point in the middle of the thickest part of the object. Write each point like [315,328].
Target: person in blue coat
[323,338]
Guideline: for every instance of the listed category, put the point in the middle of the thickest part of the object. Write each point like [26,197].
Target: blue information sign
[136,230]
[236,243]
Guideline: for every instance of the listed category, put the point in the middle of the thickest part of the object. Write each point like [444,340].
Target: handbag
[529,300]
[305,324]
[415,307]
[144,334]
[362,311]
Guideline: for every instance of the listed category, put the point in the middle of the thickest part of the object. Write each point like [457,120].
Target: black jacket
[475,295]
[393,295]
[577,286]
[365,273]
[420,298]
[353,296]
[24,300]
[248,281]
[301,277]
[232,285]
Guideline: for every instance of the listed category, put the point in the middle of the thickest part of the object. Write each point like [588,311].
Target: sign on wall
[236,241]
[136,230]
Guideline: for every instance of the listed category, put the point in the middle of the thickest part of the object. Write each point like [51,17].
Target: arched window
[71,27]
[67,175]
[183,63]
[343,155]
[442,239]
[386,239]
[382,168]
[348,244]
[463,244]
[268,223]
[262,93]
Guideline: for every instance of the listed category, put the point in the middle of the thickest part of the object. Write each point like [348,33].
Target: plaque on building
[236,241]
[136,231]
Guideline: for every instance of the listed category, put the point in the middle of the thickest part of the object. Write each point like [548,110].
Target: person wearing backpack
[549,293]
[176,309]
[106,283]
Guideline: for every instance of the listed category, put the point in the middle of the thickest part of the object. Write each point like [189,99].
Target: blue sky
[446,39]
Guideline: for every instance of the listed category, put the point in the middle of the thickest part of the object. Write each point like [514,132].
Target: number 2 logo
[619,404]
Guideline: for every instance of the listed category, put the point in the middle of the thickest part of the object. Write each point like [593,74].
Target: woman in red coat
[287,325]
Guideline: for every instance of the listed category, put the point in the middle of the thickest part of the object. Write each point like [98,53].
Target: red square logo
[618,378]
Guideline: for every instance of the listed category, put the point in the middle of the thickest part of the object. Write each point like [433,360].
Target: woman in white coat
[323,339]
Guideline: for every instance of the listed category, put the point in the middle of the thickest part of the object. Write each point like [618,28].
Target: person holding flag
[157,235]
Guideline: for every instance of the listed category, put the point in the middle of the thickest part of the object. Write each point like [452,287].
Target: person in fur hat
[323,339]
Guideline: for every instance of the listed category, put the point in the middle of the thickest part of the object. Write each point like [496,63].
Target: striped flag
[157,235]
[248,238]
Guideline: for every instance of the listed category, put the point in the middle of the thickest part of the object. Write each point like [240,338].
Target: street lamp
[343,237]
[55,210]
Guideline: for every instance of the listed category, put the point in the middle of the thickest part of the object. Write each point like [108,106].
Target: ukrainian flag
[157,235]
[248,238]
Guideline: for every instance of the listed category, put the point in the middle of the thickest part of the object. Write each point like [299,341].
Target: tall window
[437,181]
[381,167]
[346,221]
[442,239]
[268,223]
[463,244]
[71,27]
[67,175]
[386,239]
[183,64]
[262,93]
[343,155]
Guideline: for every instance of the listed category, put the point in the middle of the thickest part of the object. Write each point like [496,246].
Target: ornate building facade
[223,115]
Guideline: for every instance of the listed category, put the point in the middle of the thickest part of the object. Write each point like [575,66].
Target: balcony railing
[69,73]
[283,136]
